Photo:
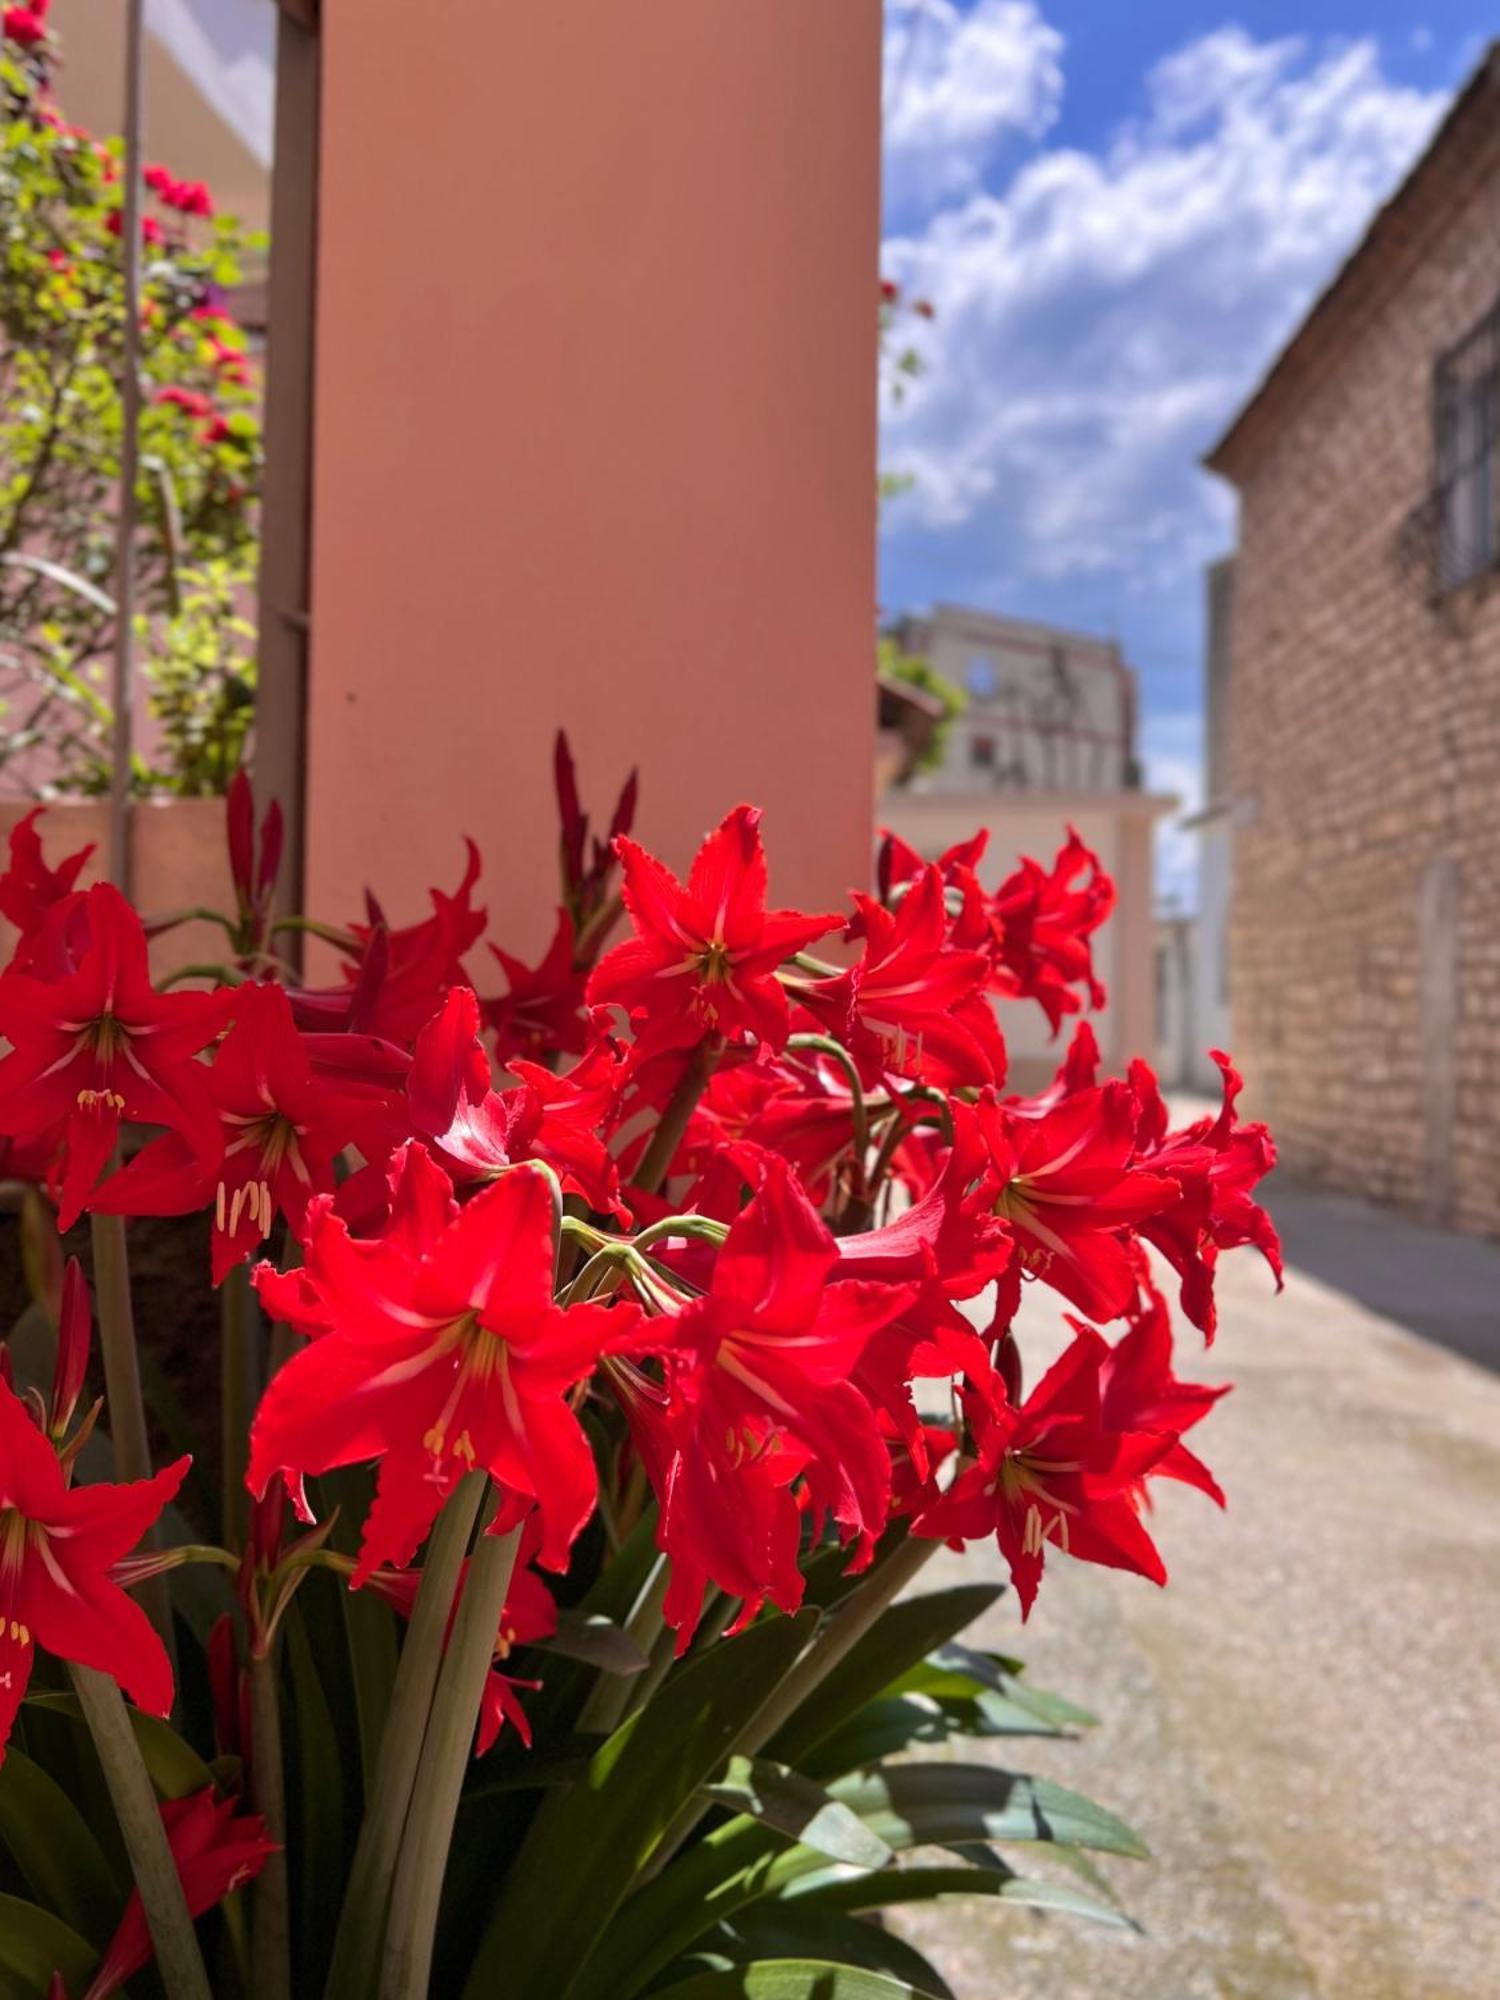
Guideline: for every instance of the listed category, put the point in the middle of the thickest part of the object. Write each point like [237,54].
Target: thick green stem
[839,1632]
[178,1959]
[611,1693]
[674,1120]
[356,1956]
[271,1934]
[406,1973]
[239,1349]
[122,1388]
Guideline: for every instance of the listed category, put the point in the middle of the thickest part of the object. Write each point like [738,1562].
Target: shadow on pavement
[1443,1286]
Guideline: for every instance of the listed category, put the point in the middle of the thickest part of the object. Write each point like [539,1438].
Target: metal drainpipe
[122,681]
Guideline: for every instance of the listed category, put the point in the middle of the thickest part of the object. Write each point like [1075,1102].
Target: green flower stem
[178,1959]
[356,1956]
[611,1692]
[271,1932]
[833,1640]
[240,1342]
[122,1387]
[674,1120]
[406,1973]
[860,1117]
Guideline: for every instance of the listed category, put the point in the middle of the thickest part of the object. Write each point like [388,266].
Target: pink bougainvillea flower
[704,957]
[58,1548]
[755,1398]
[1054,1472]
[1069,1188]
[100,1044]
[282,1129]
[1216,1162]
[435,1348]
[25,26]
[542,1010]
[914,1006]
[217,1849]
[29,889]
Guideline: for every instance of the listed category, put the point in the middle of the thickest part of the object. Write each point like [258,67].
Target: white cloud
[1101,314]
[956,82]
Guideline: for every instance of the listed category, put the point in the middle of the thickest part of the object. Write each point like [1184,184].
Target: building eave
[1469,131]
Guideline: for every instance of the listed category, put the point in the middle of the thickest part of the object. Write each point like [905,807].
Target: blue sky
[1120,212]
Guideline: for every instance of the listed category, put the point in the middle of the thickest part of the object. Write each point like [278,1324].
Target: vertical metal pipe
[122,679]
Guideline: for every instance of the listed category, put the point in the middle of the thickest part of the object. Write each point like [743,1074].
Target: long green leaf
[784,1930]
[794,1979]
[317,1799]
[793,1805]
[608,1825]
[845,1890]
[899,1638]
[52,1845]
[33,1945]
[896,1722]
[909,1805]
[956,1669]
[176,1768]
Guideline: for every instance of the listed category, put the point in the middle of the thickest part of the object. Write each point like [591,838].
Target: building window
[982,752]
[1466,421]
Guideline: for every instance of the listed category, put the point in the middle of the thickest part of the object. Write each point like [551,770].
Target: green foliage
[61,422]
[919,673]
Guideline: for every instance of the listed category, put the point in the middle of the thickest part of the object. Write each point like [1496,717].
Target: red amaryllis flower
[1139,1392]
[530,1614]
[29,889]
[1043,924]
[587,867]
[1067,1185]
[254,877]
[542,1011]
[1215,1162]
[100,1044]
[58,1548]
[217,1849]
[282,1129]
[438,1348]
[704,958]
[914,1005]
[1051,1471]
[477,1131]
[755,1398]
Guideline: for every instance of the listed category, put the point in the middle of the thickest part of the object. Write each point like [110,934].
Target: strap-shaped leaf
[911,1805]
[33,1945]
[896,1722]
[176,1768]
[961,1670]
[785,1930]
[849,1891]
[795,1806]
[602,1831]
[795,1979]
[55,1850]
[908,1805]
[597,1641]
[898,1639]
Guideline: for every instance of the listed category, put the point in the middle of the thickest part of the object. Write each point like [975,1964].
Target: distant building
[1363,693]
[1047,739]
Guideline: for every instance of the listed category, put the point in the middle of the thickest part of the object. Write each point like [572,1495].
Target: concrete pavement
[1305,1726]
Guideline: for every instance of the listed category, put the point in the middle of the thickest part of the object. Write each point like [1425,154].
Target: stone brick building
[1363,781]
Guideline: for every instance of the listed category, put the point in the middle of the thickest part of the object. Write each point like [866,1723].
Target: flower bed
[601,1360]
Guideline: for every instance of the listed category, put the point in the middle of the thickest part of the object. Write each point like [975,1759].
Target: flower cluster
[700,1222]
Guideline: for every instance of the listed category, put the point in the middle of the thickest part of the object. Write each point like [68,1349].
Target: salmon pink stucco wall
[595,410]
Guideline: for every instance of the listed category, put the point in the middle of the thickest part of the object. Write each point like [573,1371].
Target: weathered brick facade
[1364,720]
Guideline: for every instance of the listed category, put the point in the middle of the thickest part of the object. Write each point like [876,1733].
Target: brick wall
[1365,738]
